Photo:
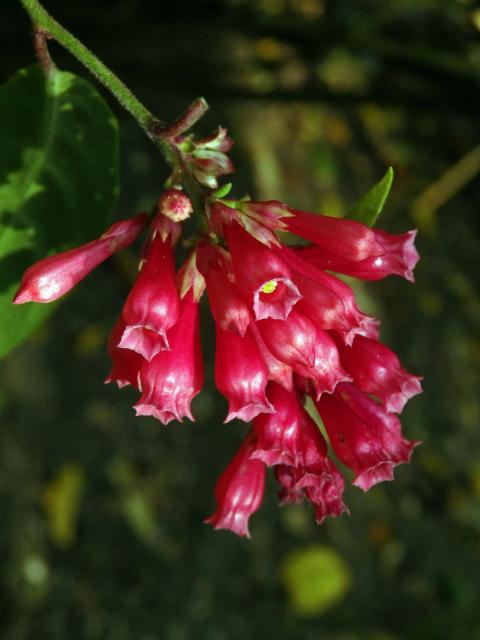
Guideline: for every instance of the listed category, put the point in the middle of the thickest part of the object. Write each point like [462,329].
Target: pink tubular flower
[290,441]
[125,363]
[171,380]
[228,307]
[50,278]
[364,437]
[239,491]
[399,257]
[327,300]
[261,274]
[241,375]
[377,370]
[311,352]
[152,305]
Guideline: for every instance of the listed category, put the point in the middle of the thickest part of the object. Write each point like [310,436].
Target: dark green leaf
[370,207]
[58,180]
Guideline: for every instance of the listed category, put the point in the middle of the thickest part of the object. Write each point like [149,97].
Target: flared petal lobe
[51,278]
[261,274]
[152,306]
[239,491]
[171,380]
[314,476]
[364,437]
[125,363]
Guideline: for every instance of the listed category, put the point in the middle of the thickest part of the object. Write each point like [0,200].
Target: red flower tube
[228,307]
[364,437]
[50,278]
[239,491]
[241,375]
[171,380]
[261,274]
[152,306]
[377,370]
[346,239]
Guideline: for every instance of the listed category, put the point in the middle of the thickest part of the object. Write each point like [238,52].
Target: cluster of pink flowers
[286,329]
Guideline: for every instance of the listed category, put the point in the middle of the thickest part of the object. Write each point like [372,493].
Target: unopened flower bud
[54,276]
[175,205]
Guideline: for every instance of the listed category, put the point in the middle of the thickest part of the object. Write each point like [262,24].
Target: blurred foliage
[316,578]
[321,96]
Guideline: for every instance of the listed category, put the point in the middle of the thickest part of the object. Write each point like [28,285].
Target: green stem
[48,25]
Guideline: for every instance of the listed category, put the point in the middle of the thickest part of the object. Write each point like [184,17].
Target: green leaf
[223,191]
[58,180]
[370,207]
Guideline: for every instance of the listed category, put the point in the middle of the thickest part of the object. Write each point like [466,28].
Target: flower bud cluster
[286,330]
[207,159]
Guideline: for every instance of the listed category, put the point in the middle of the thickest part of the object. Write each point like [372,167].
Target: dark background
[101,533]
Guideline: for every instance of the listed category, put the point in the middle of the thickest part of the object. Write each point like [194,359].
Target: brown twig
[40,37]
[186,121]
